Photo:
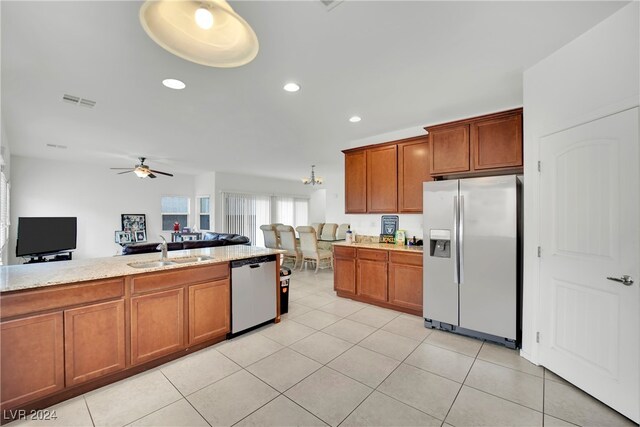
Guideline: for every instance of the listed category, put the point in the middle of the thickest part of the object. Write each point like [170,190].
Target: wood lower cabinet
[355,182]
[157,325]
[94,341]
[31,358]
[209,311]
[388,278]
[382,179]
[344,270]
[405,280]
[413,170]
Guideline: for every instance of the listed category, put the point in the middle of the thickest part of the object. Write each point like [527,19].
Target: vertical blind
[4,213]
[245,213]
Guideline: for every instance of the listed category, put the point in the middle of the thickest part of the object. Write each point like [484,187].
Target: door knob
[625,280]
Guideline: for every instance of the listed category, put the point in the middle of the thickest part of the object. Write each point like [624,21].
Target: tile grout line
[183,397]
[88,410]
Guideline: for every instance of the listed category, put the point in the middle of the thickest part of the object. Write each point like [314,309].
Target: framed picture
[123,237]
[141,236]
[134,222]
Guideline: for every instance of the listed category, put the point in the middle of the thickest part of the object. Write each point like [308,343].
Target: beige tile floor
[333,361]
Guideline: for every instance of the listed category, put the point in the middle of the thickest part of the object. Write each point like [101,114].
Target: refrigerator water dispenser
[440,243]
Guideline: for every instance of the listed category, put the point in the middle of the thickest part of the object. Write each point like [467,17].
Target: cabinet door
[93,341]
[449,149]
[355,182]
[372,279]
[344,275]
[413,169]
[497,143]
[405,286]
[157,325]
[382,179]
[31,358]
[209,314]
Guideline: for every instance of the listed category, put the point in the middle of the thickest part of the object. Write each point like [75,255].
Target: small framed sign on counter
[389,224]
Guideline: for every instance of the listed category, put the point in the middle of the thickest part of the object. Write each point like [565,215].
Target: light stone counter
[383,246]
[27,276]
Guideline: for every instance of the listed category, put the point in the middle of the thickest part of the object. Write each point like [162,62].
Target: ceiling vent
[330,4]
[57,146]
[71,99]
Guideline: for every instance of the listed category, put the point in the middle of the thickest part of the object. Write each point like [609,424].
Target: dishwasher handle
[254,266]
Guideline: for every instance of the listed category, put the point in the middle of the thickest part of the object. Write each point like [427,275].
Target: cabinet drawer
[173,278]
[342,252]
[372,254]
[24,302]
[406,258]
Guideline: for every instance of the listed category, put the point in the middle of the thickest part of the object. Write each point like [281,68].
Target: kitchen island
[73,326]
[383,274]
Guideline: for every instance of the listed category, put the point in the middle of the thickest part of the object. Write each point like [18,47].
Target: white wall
[96,195]
[229,182]
[318,206]
[593,76]
[6,167]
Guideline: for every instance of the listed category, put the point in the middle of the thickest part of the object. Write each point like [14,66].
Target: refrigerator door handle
[461,240]
[454,238]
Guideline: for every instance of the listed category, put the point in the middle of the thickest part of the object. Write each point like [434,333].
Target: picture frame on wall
[141,236]
[134,222]
[123,237]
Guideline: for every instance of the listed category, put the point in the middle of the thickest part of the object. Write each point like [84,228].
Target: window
[174,209]
[245,213]
[4,213]
[204,213]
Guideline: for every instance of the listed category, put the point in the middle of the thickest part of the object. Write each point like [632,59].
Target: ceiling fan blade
[161,173]
[120,173]
[119,168]
[151,176]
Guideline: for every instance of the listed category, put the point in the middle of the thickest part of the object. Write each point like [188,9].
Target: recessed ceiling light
[174,84]
[355,119]
[291,87]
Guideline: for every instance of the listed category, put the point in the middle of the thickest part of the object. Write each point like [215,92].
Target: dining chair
[342,231]
[289,244]
[310,251]
[329,231]
[317,226]
[270,238]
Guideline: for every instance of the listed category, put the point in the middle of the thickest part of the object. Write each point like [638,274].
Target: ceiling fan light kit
[206,32]
[313,180]
[142,171]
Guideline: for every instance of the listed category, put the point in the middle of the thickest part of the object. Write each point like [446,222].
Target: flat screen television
[46,235]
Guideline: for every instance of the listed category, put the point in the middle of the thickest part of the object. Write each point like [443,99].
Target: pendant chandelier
[313,180]
[207,32]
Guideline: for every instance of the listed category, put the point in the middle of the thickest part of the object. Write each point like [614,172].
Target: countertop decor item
[207,32]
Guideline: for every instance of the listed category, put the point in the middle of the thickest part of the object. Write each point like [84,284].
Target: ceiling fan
[142,170]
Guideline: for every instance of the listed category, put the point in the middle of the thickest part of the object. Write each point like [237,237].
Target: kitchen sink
[192,259]
[150,264]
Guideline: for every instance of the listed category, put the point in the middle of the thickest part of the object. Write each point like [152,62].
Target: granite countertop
[28,276]
[384,246]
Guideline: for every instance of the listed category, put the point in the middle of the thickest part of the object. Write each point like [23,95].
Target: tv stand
[61,256]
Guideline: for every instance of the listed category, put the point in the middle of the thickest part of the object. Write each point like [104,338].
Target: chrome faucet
[163,246]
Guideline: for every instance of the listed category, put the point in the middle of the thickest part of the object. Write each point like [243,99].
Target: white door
[590,230]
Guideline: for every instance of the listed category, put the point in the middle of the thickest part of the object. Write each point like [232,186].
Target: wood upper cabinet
[209,311]
[157,325]
[497,143]
[94,338]
[449,149]
[372,274]
[344,269]
[355,182]
[382,179]
[477,145]
[405,280]
[31,358]
[413,169]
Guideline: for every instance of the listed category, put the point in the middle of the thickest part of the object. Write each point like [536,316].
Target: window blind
[244,214]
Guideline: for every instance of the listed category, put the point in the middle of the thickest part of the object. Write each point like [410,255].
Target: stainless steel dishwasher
[253,292]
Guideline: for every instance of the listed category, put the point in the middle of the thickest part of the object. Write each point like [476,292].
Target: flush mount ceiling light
[313,180]
[206,32]
[355,119]
[291,87]
[174,84]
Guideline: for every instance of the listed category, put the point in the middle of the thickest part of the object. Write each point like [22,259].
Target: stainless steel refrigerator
[472,277]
